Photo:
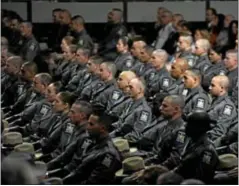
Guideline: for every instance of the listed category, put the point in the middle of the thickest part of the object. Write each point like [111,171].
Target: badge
[115,95]
[120,32]
[180,137]
[32,47]
[81,42]
[222,72]
[144,116]
[165,82]
[44,109]
[151,76]
[20,89]
[227,110]
[200,103]
[205,67]
[107,160]
[185,92]
[69,128]
[190,62]
[207,156]
[128,64]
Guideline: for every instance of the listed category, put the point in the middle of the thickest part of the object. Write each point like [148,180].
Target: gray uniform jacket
[134,118]
[124,62]
[224,112]
[200,158]
[202,64]
[30,49]
[158,81]
[190,57]
[84,40]
[233,77]
[98,164]
[213,70]
[195,99]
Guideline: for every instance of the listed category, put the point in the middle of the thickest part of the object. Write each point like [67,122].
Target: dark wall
[96,30]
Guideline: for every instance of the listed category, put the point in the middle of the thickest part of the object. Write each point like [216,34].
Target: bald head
[222,80]
[124,78]
[139,84]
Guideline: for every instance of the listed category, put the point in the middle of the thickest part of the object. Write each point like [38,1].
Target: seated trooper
[194,95]
[136,115]
[68,160]
[119,97]
[80,71]
[222,108]
[64,132]
[167,137]
[8,93]
[28,72]
[199,154]
[36,110]
[101,159]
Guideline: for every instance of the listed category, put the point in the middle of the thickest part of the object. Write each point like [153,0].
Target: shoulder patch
[32,46]
[120,32]
[81,42]
[200,103]
[185,92]
[44,109]
[181,137]
[69,128]
[86,143]
[115,95]
[227,110]
[144,116]
[207,157]
[165,82]
[107,161]
[128,64]
[151,75]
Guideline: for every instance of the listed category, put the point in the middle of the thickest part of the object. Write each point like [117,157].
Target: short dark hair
[67,97]
[169,178]
[86,52]
[45,78]
[126,41]
[31,66]
[85,107]
[103,119]
[214,11]
[58,86]
[80,19]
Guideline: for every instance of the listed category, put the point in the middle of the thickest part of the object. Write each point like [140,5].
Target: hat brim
[132,150]
[38,155]
[120,172]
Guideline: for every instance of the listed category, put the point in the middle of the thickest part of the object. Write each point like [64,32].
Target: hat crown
[133,164]
[228,161]
[12,138]
[25,147]
[122,145]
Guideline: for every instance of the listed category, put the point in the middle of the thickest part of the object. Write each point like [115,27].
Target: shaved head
[222,80]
